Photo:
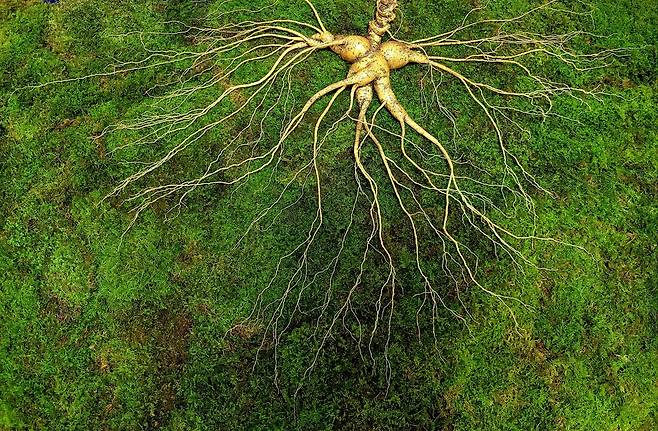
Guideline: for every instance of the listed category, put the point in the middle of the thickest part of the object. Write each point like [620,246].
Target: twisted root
[285,45]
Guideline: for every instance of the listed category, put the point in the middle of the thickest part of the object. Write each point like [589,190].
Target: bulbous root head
[354,48]
[417,164]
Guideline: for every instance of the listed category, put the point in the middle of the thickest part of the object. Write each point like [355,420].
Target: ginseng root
[417,165]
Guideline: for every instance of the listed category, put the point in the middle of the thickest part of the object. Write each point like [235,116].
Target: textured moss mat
[101,330]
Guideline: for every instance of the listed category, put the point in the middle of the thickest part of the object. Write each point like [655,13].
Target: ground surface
[98,334]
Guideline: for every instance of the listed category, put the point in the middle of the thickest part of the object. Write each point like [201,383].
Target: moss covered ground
[105,331]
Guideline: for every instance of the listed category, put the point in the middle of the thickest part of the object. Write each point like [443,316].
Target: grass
[100,331]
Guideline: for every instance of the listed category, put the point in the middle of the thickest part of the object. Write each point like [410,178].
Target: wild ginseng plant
[249,65]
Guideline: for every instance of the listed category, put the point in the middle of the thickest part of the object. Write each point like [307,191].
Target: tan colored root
[419,163]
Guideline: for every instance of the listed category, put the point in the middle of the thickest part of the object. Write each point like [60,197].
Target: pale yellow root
[285,45]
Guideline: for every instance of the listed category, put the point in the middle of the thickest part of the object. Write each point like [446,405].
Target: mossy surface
[102,328]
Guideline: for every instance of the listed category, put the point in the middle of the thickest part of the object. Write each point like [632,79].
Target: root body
[420,165]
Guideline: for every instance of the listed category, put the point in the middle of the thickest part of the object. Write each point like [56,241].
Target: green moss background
[105,331]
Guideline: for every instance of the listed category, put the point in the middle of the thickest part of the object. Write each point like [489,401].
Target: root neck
[384,16]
